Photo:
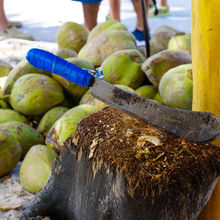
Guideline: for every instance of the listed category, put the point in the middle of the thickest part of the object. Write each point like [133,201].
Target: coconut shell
[160,38]
[7,115]
[35,94]
[176,87]
[10,152]
[146,91]
[5,68]
[24,134]
[50,118]
[36,167]
[124,67]
[106,43]
[3,104]
[65,53]
[22,68]
[108,25]
[2,83]
[72,36]
[180,42]
[87,98]
[158,98]
[65,127]
[158,64]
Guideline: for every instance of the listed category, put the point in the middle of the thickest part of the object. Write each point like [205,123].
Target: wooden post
[206,74]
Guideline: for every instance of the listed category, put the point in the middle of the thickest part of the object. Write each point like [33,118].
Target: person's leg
[115,7]
[3,19]
[137,9]
[163,3]
[90,12]
[151,4]
[139,31]
[8,31]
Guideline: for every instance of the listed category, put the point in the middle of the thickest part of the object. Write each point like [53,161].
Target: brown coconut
[160,38]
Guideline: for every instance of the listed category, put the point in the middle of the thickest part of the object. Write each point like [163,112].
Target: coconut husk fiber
[117,167]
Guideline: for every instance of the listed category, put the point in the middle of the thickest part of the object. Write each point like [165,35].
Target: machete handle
[47,61]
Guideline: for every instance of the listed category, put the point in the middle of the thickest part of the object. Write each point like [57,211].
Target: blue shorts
[89,1]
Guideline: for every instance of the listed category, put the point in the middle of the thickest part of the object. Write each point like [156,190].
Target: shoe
[16,24]
[162,12]
[151,5]
[13,32]
[139,35]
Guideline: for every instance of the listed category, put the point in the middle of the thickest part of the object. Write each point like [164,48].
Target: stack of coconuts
[39,111]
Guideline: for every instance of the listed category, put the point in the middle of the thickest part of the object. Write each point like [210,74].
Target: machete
[193,125]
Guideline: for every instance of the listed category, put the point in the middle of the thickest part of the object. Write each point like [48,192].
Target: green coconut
[83,63]
[87,98]
[65,127]
[160,38]
[72,36]
[65,53]
[106,26]
[146,91]
[24,134]
[3,104]
[49,119]
[142,50]
[2,82]
[99,48]
[74,90]
[156,65]
[35,94]
[36,167]
[22,68]
[5,68]
[127,88]
[158,98]
[180,42]
[10,152]
[3,98]
[124,67]
[164,28]
[7,115]
[176,87]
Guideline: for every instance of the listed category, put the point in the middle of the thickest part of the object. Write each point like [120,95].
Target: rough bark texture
[116,167]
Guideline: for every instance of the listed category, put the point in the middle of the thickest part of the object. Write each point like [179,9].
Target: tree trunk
[116,167]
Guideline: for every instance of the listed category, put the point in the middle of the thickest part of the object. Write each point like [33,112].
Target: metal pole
[206,78]
[146,36]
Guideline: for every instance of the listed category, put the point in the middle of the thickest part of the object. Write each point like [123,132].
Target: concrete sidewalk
[42,18]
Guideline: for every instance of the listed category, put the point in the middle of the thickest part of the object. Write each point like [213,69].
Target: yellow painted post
[206,74]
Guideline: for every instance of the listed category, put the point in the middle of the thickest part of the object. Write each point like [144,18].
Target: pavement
[42,18]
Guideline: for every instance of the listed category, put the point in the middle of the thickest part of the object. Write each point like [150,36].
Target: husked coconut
[159,63]
[36,167]
[72,35]
[34,94]
[176,87]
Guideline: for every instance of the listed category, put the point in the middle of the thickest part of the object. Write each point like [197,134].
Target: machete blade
[195,126]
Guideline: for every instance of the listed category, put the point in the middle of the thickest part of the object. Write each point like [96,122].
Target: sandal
[16,24]
[13,32]
[162,12]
